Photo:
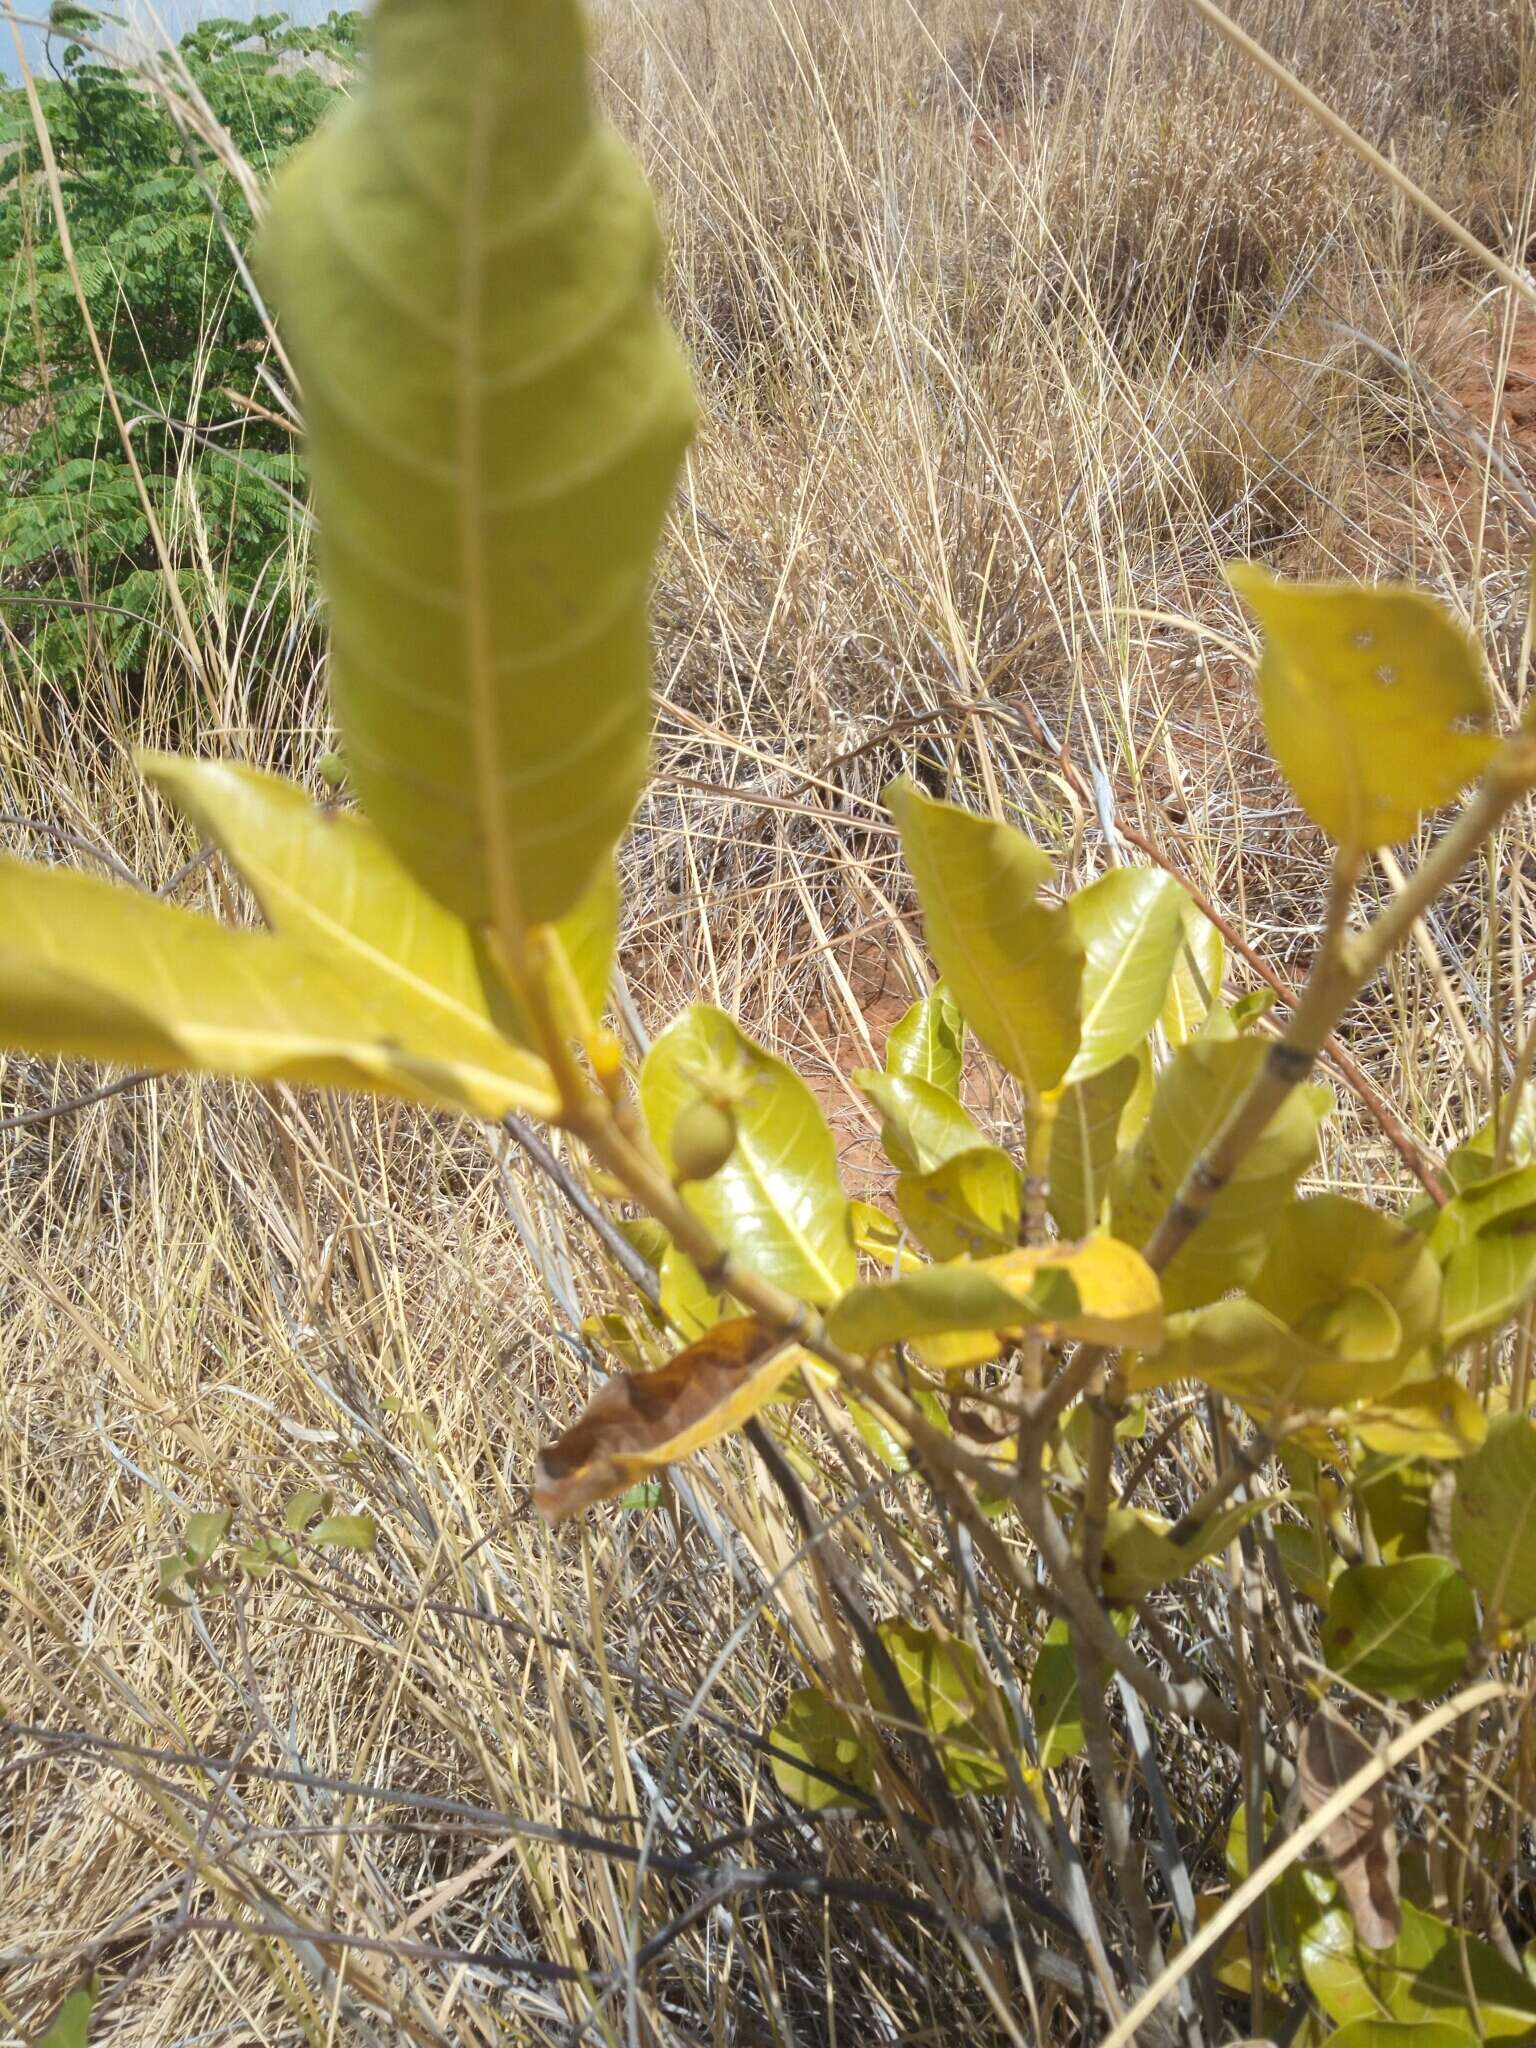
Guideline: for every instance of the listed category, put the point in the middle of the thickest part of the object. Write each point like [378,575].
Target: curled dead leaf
[640,1422]
[1361,1843]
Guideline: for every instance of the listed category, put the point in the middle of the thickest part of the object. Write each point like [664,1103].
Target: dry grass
[1013,322]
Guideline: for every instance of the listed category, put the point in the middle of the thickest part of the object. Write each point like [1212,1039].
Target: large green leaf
[464,262]
[776,1203]
[1377,2033]
[1084,1138]
[326,879]
[967,1207]
[1014,966]
[1493,1518]
[929,1042]
[821,1743]
[1100,1291]
[1131,924]
[922,1125]
[1195,1093]
[954,1699]
[1404,1630]
[1195,987]
[103,973]
[1486,1239]
[1345,1299]
[1374,702]
[1424,1976]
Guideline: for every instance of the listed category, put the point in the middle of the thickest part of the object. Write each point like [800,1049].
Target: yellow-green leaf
[464,262]
[639,1422]
[1403,1630]
[967,1207]
[688,1305]
[1200,1086]
[1055,1704]
[1486,1239]
[922,1125]
[1195,987]
[70,2025]
[1100,1291]
[92,970]
[1434,1418]
[346,1532]
[1376,2033]
[326,879]
[1374,702]
[828,1759]
[1493,1518]
[1131,924]
[953,1697]
[1084,1139]
[1014,966]
[1140,1555]
[929,1042]
[776,1203]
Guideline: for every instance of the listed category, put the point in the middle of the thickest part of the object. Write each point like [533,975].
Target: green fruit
[703,1138]
[333,770]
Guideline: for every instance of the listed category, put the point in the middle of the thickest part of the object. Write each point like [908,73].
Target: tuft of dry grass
[1013,324]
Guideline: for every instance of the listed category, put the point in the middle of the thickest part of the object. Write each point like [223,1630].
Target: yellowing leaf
[1195,987]
[326,879]
[464,261]
[1404,1630]
[1140,1555]
[1084,1139]
[1435,1418]
[776,1203]
[922,1125]
[827,1760]
[1099,1291]
[929,1042]
[874,1233]
[346,1532]
[1014,966]
[103,973]
[639,1422]
[965,1208]
[1201,1084]
[1493,1518]
[1131,925]
[1374,702]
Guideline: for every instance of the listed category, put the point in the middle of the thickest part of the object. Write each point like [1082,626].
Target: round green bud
[703,1138]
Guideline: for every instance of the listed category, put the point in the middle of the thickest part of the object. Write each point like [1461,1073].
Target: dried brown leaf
[1361,1843]
[641,1421]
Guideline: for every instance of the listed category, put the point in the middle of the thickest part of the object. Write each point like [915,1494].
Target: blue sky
[175,16]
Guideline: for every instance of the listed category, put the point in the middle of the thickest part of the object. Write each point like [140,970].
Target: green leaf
[1345,1299]
[1374,702]
[953,1698]
[1376,2033]
[203,1535]
[1195,988]
[464,262]
[1084,1140]
[1014,966]
[819,1734]
[327,879]
[1140,1555]
[305,1507]
[776,1203]
[688,1305]
[1055,1704]
[1099,1291]
[1486,1239]
[346,1532]
[92,970]
[1131,925]
[1395,1495]
[1493,1519]
[922,1124]
[1404,1630]
[967,1207]
[929,1042]
[70,2027]
[1435,1418]
[1196,1091]
[1422,1977]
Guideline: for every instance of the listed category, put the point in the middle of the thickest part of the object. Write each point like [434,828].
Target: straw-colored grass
[1013,322]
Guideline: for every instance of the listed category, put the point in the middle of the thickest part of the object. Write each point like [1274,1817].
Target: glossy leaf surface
[929,1042]
[1195,986]
[1130,923]
[1084,1140]
[922,1125]
[967,1208]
